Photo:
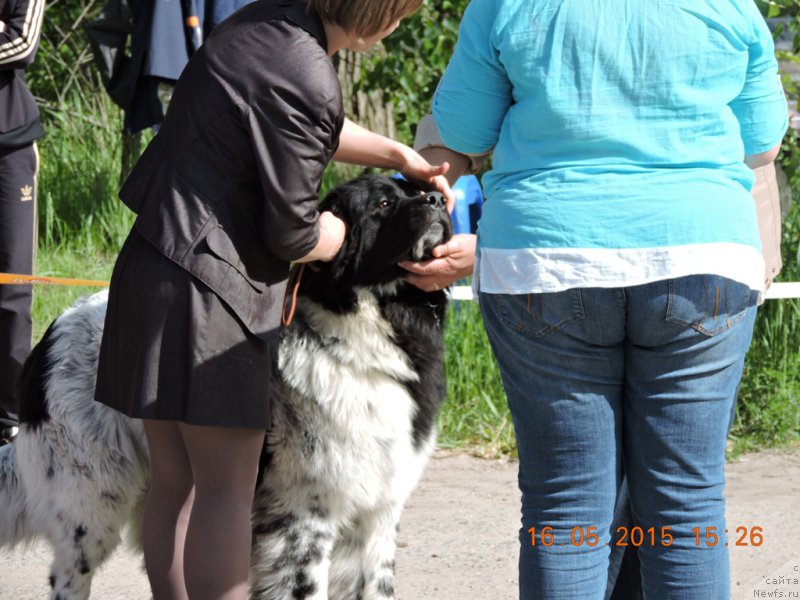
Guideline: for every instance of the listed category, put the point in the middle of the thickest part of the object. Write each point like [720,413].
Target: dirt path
[458,536]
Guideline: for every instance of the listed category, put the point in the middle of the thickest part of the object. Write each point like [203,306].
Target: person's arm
[767,196]
[19,35]
[291,129]
[760,106]
[331,238]
[475,92]
[360,146]
[754,161]
[429,144]
[438,155]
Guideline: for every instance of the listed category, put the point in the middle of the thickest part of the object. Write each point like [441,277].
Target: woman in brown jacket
[226,197]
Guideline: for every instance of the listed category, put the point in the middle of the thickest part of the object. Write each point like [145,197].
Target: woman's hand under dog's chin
[452,261]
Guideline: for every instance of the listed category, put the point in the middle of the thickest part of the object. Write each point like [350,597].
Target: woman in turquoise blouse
[618,265]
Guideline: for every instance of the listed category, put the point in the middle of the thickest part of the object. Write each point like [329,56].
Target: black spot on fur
[312,555]
[30,390]
[386,588]
[317,509]
[52,580]
[310,441]
[80,533]
[282,523]
[83,566]
[110,497]
[303,587]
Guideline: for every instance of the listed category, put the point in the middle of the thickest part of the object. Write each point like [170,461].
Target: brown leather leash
[292,286]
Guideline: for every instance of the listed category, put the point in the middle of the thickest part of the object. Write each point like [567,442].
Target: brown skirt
[172,349]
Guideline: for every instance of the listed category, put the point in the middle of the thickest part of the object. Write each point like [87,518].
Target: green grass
[66,261]
[475,413]
[82,224]
[768,412]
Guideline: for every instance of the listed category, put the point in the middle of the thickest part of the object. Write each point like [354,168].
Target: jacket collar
[297,12]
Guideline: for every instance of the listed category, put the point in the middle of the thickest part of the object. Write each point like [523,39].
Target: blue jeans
[646,375]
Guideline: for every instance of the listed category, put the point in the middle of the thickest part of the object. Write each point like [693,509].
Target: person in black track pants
[20,29]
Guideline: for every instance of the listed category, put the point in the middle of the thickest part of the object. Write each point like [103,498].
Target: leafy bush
[412,61]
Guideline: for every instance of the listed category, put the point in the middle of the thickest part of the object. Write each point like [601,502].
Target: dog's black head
[388,220]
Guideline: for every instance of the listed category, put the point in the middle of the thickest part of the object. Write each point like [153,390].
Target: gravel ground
[458,536]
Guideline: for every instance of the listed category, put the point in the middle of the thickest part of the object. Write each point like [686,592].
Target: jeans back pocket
[540,314]
[708,304]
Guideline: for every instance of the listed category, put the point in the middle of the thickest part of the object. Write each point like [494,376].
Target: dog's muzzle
[435,199]
[439,229]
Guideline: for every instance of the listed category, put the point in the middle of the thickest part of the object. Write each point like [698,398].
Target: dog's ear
[334,202]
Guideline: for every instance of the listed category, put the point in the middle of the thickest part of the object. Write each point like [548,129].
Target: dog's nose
[435,199]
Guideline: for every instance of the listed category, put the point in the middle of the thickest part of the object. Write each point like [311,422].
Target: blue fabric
[168,52]
[172,39]
[469,203]
[614,123]
[220,10]
[644,375]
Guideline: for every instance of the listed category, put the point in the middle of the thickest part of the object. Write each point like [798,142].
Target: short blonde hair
[364,17]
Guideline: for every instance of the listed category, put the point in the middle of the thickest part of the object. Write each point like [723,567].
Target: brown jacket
[228,188]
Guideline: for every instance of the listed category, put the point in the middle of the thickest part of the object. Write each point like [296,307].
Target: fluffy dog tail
[14,527]
[15,518]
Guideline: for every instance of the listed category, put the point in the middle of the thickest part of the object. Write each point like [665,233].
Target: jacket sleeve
[20,36]
[293,132]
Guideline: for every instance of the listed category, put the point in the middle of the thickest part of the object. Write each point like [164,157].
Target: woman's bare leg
[225,465]
[169,504]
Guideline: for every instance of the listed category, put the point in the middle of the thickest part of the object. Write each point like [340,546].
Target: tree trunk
[366,109]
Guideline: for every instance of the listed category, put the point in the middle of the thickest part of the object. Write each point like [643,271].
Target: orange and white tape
[17,279]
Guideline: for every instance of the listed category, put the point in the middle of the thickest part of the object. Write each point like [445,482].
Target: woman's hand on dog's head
[452,261]
[429,176]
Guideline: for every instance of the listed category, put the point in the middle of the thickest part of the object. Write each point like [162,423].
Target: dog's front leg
[380,530]
[291,556]
[77,554]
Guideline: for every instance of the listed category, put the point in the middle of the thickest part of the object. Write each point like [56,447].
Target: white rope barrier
[783,290]
[777,291]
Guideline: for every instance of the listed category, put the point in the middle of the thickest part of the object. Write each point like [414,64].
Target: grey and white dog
[360,382]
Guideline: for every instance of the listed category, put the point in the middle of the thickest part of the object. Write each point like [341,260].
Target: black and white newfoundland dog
[353,420]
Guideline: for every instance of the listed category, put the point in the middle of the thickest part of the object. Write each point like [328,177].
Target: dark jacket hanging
[163,35]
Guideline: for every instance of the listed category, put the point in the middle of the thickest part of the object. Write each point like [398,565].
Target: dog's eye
[385,203]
